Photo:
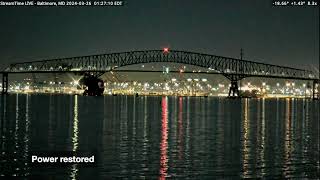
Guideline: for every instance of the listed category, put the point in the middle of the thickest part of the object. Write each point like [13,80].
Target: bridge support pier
[234,88]
[5,82]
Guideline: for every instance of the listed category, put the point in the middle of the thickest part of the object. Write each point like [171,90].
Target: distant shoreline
[172,95]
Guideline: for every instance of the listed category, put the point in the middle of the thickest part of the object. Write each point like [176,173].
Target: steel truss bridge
[232,68]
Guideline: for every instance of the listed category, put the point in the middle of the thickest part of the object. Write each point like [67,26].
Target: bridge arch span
[101,62]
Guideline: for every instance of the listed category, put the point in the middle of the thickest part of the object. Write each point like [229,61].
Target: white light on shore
[221,85]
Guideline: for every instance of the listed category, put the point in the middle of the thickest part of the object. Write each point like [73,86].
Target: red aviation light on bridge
[165,50]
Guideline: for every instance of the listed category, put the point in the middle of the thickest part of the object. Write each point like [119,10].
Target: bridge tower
[241,56]
[235,87]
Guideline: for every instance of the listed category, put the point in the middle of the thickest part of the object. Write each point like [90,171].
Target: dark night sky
[279,35]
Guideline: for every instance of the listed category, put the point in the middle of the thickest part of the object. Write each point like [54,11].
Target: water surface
[162,137]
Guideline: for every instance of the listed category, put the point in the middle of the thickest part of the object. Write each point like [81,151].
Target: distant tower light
[165,50]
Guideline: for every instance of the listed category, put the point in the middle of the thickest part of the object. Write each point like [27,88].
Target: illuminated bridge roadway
[232,68]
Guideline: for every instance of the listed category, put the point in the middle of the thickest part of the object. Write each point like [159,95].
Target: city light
[165,50]
[221,85]
[197,86]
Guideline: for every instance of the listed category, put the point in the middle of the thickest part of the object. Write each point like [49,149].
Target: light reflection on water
[245,140]
[164,140]
[162,137]
[75,136]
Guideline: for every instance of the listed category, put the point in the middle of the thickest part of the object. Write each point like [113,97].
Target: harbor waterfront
[159,137]
[174,87]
